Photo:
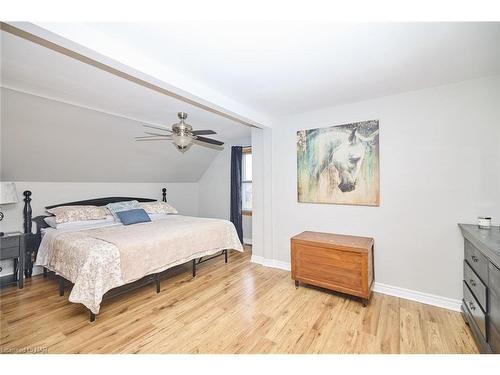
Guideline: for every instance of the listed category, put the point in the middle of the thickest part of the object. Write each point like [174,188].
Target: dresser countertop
[486,240]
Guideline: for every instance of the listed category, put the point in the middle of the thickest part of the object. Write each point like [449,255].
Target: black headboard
[101,201]
[40,223]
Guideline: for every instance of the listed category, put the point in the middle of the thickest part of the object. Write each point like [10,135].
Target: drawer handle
[475,259]
[471,305]
[472,282]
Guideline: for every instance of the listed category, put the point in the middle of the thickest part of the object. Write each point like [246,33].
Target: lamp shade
[8,193]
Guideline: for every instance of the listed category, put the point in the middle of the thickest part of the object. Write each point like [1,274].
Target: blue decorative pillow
[114,208]
[134,216]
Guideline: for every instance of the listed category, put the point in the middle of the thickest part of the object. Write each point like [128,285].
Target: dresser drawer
[10,252]
[476,285]
[477,261]
[475,310]
[9,241]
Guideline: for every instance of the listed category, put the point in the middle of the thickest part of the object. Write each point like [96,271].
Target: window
[246,181]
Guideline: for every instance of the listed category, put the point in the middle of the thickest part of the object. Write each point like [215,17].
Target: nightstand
[12,247]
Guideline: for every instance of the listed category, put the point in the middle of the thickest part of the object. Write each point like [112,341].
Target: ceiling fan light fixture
[181,140]
[182,134]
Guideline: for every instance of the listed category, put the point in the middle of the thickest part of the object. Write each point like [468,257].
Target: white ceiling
[31,68]
[281,68]
[272,68]
[63,120]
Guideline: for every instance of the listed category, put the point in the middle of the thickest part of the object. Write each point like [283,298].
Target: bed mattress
[102,258]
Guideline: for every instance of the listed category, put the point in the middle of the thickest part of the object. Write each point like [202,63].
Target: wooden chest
[333,261]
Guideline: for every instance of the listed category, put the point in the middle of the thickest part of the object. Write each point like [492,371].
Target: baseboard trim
[37,270]
[412,295]
[273,263]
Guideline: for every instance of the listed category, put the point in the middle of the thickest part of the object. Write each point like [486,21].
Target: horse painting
[339,164]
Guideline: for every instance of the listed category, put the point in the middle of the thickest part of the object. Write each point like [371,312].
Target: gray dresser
[481,284]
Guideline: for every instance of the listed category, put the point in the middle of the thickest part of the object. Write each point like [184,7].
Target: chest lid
[335,241]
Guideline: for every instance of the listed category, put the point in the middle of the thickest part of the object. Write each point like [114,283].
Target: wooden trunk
[336,262]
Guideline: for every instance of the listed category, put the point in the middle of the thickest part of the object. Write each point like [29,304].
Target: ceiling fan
[182,134]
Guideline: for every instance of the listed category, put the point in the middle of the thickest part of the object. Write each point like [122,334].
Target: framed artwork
[339,164]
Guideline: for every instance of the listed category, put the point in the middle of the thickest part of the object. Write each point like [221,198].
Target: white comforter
[97,260]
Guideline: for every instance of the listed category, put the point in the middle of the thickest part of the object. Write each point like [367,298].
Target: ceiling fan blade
[203,132]
[152,139]
[210,141]
[154,136]
[157,127]
[158,135]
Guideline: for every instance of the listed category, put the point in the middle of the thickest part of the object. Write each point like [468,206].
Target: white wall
[440,165]
[183,196]
[262,200]
[247,229]
[61,142]
[215,188]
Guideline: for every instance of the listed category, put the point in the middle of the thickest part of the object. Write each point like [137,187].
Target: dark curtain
[236,218]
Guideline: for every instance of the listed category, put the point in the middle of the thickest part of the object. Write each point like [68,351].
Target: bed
[108,259]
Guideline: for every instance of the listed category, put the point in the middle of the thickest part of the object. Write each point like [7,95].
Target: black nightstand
[12,247]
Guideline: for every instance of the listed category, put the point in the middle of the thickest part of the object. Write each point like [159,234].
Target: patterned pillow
[121,206]
[157,208]
[65,214]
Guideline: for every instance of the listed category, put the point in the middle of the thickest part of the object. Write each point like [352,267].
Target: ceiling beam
[86,55]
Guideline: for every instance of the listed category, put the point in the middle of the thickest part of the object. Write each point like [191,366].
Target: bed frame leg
[157,283]
[194,267]
[44,272]
[61,286]
[92,317]
[225,256]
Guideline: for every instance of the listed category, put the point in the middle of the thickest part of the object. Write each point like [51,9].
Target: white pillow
[51,221]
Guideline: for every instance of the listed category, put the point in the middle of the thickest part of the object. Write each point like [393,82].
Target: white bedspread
[100,259]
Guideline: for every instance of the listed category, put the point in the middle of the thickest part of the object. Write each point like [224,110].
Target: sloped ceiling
[63,120]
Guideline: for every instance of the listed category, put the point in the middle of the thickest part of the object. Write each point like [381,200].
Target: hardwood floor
[239,307]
